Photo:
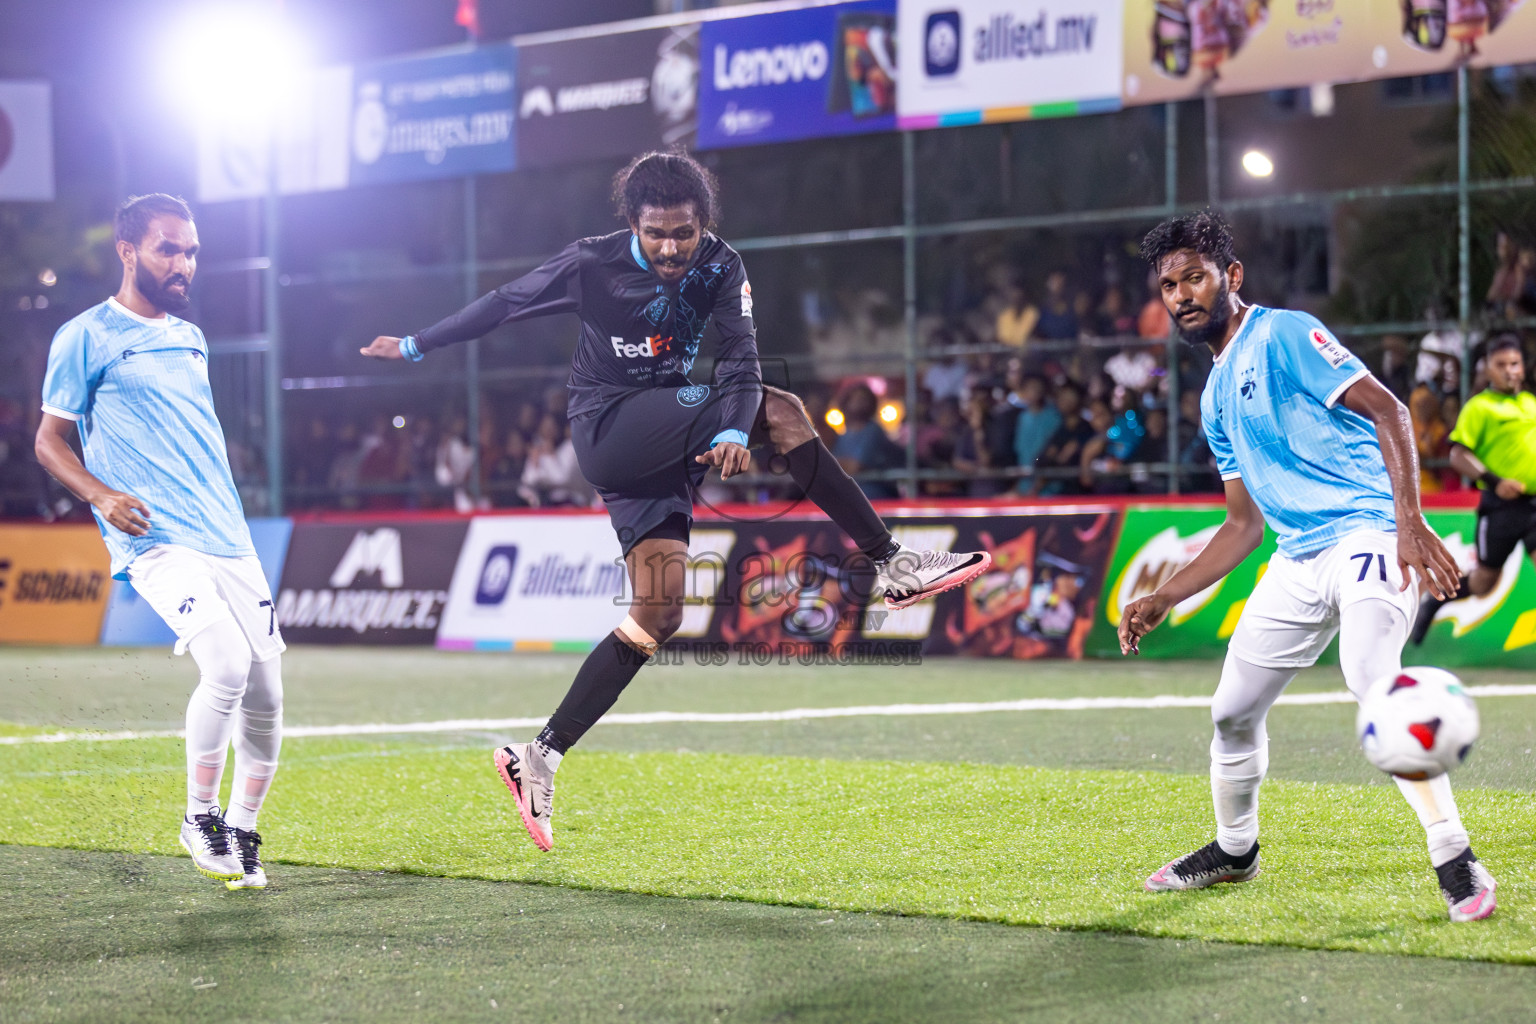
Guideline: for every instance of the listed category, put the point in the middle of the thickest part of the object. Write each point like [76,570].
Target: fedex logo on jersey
[1329,348]
[653,346]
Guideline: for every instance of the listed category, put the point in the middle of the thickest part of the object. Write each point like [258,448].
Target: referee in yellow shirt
[1495,443]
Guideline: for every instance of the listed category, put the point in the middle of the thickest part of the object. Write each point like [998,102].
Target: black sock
[599,681]
[816,470]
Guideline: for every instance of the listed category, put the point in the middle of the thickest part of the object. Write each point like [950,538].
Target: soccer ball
[1417,723]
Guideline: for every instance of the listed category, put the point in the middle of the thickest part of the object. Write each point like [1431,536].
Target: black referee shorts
[1501,525]
[639,454]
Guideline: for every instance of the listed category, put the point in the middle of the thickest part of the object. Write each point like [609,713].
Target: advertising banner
[1176,49]
[443,116]
[26,141]
[535,583]
[131,622]
[607,96]
[1498,629]
[367,581]
[798,74]
[971,61]
[54,584]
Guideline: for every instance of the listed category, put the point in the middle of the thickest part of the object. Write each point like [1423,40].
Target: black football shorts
[1501,525]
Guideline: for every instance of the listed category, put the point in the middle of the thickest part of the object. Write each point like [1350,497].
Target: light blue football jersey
[1272,415]
[138,388]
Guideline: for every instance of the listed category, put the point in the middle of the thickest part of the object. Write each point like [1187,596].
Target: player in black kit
[645,435]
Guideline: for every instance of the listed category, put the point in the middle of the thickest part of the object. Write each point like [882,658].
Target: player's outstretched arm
[1419,550]
[1236,539]
[59,459]
[383,347]
[1466,462]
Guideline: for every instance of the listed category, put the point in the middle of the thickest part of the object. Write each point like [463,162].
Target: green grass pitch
[849,869]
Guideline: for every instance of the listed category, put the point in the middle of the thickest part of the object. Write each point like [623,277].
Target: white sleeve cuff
[63,414]
[1338,392]
[1234,475]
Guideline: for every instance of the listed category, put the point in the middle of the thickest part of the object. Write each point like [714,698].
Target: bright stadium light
[889,413]
[235,60]
[835,419]
[1258,164]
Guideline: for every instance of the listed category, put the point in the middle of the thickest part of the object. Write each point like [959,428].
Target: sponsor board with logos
[535,583]
[798,74]
[381,581]
[971,61]
[54,584]
[1156,542]
[607,95]
[131,622]
[442,116]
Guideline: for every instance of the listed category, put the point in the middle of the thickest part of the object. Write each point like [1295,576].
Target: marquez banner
[367,581]
[54,584]
[607,95]
[798,74]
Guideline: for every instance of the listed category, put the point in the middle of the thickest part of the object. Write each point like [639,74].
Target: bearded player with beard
[1309,442]
[132,380]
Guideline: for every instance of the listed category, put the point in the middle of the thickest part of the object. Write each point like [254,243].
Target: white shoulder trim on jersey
[63,414]
[163,321]
[1338,392]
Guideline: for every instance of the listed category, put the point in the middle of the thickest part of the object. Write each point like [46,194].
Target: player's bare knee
[788,425]
[1482,581]
[657,619]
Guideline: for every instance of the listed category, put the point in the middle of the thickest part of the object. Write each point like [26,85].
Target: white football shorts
[1293,611]
[191,591]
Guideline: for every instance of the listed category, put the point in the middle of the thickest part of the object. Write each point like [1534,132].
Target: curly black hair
[1506,343]
[1206,232]
[132,220]
[663,180]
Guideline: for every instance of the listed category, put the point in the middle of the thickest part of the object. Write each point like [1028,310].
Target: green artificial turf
[132,938]
[1345,866]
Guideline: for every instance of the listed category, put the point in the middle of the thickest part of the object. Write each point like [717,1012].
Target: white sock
[1240,748]
[223,657]
[258,739]
[1235,781]
[1435,805]
[551,757]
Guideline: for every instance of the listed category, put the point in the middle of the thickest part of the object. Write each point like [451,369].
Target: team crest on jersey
[1329,348]
[746,298]
[692,395]
[658,310]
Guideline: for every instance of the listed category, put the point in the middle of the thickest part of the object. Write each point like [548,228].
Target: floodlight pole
[909,293]
[1464,226]
[1212,149]
[272,318]
[1171,348]
[472,349]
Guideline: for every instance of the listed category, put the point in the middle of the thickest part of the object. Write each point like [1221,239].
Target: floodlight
[1258,164]
[835,418]
[889,413]
[235,61]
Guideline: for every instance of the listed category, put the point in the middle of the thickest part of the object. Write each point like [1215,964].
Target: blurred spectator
[1430,435]
[1504,291]
[1017,320]
[1057,319]
[1525,297]
[1394,372]
[864,446]
[310,458]
[945,378]
[342,476]
[526,421]
[1153,321]
[381,464]
[1114,318]
[1132,367]
[937,444]
[1064,449]
[419,458]
[974,451]
[1037,422]
[455,461]
[551,475]
[1153,448]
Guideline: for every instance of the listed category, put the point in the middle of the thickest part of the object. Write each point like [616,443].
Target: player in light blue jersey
[1309,442]
[132,381]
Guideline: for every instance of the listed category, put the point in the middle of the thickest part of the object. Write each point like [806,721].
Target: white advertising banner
[26,141]
[535,582]
[967,62]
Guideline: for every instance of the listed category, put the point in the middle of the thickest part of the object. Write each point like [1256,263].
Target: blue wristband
[409,350]
[734,436]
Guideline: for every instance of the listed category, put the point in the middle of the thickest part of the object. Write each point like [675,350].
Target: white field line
[791,715]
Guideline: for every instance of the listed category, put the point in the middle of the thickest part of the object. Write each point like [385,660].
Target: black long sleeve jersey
[635,331]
